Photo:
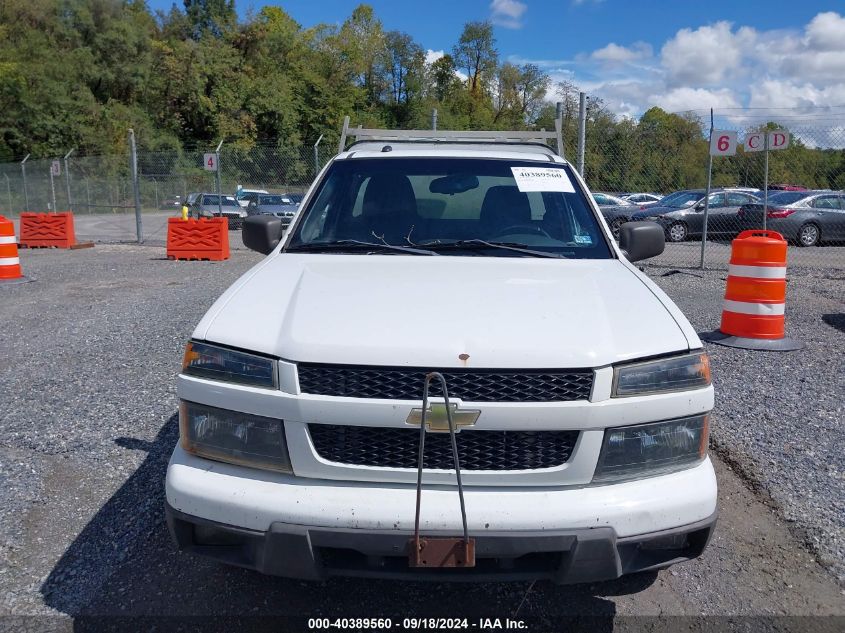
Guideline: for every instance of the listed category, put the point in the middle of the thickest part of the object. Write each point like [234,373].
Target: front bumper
[306,528]
[562,556]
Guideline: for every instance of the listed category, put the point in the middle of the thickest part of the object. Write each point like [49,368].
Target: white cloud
[508,13]
[727,67]
[687,98]
[613,53]
[432,56]
[706,55]
[826,32]
[784,93]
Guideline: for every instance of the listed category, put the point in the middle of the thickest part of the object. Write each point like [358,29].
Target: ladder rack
[484,136]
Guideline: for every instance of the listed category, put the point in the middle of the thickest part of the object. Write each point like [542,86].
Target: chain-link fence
[803,190]
[99,189]
[663,155]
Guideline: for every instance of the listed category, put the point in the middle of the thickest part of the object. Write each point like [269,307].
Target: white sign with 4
[209,161]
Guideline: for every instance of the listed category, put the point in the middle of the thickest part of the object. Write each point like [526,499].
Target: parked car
[607,200]
[786,187]
[278,205]
[806,218]
[206,206]
[681,214]
[642,199]
[616,216]
[245,196]
[173,202]
[582,432]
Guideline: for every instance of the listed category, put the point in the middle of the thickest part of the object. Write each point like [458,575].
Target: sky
[680,55]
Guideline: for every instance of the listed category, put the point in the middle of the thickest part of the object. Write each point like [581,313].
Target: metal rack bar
[362,133]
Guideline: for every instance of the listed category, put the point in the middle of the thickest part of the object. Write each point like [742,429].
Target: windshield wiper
[475,244]
[358,245]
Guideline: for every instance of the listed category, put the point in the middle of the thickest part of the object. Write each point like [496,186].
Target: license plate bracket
[441,552]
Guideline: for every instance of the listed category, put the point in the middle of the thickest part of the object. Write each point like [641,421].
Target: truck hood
[424,311]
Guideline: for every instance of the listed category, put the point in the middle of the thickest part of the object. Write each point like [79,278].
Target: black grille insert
[392,447]
[475,385]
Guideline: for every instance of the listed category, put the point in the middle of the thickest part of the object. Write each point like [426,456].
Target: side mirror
[262,233]
[699,206]
[641,240]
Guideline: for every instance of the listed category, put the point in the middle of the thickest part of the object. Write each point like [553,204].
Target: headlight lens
[678,373]
[218,363]
[630,452]
[233,437]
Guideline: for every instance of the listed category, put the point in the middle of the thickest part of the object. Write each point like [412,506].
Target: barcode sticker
[542,179]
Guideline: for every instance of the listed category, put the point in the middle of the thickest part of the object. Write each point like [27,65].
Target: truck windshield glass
[452,207]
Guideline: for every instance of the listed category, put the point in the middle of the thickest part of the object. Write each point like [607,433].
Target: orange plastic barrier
[198,239]
[10,263]
[47,229]
[755,296]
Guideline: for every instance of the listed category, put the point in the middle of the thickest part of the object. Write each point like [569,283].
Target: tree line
[79,73]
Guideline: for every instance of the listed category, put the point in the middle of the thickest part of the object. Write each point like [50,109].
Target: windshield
[786,197]
[274,200]
[681,199]
[212,200]
[452,206]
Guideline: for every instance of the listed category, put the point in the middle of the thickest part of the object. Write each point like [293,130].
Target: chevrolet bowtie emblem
[436,420]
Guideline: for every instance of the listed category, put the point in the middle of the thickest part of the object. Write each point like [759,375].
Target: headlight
[631,452]
[233,437]
[218,363]
[678,373]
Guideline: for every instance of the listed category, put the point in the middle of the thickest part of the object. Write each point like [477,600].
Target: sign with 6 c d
[723,143]
[756,141]
[209,161]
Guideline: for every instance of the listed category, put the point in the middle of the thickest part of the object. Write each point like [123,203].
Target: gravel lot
[87,414]
[779,414]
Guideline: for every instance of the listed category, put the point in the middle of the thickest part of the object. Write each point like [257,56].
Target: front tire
[677,232]
[616,226]
[809,235]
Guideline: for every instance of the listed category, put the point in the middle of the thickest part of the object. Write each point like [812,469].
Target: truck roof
[513,144]
[451,149]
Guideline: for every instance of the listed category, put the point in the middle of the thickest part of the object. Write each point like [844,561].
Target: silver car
[210,205]
[279,205]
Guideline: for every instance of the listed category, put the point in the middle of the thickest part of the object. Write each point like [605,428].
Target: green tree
[213,17]
[476,52]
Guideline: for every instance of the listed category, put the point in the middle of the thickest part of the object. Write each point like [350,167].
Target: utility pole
[52,184]
[133,163]
[582,130]
[9,191]
[707,193]
[766,180]
[317,156]
[25,191]
[67,181]
[217,175]
[434,119]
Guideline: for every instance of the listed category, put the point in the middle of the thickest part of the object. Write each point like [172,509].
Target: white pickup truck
[578,393]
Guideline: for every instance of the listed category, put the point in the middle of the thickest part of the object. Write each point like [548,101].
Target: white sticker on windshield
[583,239]
[542,179]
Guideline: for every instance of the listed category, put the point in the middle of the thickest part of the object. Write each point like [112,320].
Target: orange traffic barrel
[10,263]
[753,311]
